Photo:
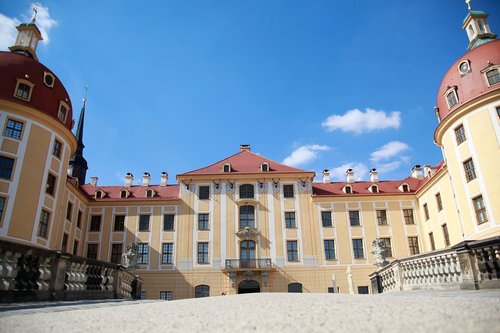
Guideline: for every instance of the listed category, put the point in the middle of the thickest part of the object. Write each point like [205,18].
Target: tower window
[480,209]
[460,134]
[493,76]
[471,31]
[470,171]
[6,166]
[23,90]
[57,149]
[14,129]
[451,98]
[48,79]
[51,184]
[63,112]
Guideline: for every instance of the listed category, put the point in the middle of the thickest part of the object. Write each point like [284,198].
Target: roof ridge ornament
[35,7]
[468,5]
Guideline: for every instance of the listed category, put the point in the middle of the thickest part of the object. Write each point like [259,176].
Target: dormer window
[348,189]
[24,89]
[374,189]
[149,193]
[404,188]
[226,167]
[451,96]
[123,194]
[48,79]
[493,76]
[99,194]
[264,167]
[63,111]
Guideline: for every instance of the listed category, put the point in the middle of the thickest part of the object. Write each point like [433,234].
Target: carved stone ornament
[248,275]
[247,233]
[129,258]
[379,251]
[304,186]
[230,187]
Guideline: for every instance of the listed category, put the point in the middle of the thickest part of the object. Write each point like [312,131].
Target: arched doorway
[248,286]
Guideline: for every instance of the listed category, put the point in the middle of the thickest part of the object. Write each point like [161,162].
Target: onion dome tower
[468,110]
[77,161]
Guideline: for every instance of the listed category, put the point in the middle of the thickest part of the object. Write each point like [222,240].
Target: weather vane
[35,11]
[468,4]
[85,96]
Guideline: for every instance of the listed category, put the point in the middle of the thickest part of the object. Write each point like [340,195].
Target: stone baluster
[45,273]
[9,269]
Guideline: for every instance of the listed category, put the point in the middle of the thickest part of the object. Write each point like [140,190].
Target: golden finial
[35,11]
[468,4]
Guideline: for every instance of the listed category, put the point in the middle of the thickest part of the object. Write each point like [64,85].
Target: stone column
[468,269]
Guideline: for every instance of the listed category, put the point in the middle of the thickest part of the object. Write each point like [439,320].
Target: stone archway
[248,286]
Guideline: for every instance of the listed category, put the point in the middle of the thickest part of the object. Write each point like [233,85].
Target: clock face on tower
[463,67]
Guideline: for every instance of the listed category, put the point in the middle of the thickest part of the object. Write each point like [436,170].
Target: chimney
[164,179]
[145,179]
[244,147]
[427,170]
[93,180]
[417,172]
[70,170]
[349,176]
[129,179]
[326,176]
[374,175]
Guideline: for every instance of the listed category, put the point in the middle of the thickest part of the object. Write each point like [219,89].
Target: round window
[48,79]
[464,67]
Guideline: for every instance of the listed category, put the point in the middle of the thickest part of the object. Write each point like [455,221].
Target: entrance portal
[248,286]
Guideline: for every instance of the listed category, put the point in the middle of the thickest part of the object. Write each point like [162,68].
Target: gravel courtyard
[454,311]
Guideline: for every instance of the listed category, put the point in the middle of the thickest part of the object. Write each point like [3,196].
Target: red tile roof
[112,193]
[244,162]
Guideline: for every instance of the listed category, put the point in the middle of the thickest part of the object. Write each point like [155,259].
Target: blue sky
[177,85]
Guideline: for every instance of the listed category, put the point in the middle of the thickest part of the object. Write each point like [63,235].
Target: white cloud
[304,154]
[8,25]
[7,31]
[358,122]
[388,150]
[388,167]
[360,171]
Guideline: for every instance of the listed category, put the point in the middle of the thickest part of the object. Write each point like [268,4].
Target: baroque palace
[247,223]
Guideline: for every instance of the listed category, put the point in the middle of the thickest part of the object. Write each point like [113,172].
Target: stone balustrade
[30,273]
[467,265]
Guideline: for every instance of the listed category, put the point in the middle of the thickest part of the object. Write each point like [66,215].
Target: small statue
[129,258]
[379,251]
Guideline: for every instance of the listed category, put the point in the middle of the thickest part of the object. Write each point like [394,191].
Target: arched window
[201,291]
[295,287]
[246,191]
[247,217]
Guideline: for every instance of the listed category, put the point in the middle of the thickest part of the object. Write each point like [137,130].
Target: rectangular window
[460,134]
[408,215]
[95,223]
[470,172]
[6,165]
[167,253]
[329,249]
[326,219]
[387,245]
[204,192]
[119,224]
[493,76]
[413,244]
[166,295]
[79,219]
[14,129]
[363,290]
[144,222]
[168,222]
[57,149]
[446,235]
[290,220]
[288,191]
[123,194]
[426,212]
[451,98]
[63,111]
[431,240]
[382,217]
[23,91]
[292,251]
[498,111]
[116,253]
[357,246]
[143,295]
[354,217]
[75,247]
[439,202]
[92,251]
[64,245]
[2,207]
[143,253]
[480,209]
[203,221]
[51,184]
[44,224]
[202,253]
[69,211]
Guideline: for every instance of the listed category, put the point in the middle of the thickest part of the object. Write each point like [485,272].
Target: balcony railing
[467,265]
[29,273]
[248,264]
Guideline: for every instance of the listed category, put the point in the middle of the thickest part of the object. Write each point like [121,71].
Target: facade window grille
[143,253]
[164,295]
[431,240]
[413,245]
[57,149]
[167,253]
[204,192]
[493,76]
[382,217]
[168,222]
[95,223]
[75,247]
[329,249]
[326,219]
[116,253]
[387,246]
[292,251]
[51,184]
[203,221]
[144,222]
[2,207]
[247,217]
[446,235]
[470,171]
[79,219]
[290,220]
[363,290]
[426,212]
[246,191]
[203,253]
[14,129]
[61,114]
[357,246]
[481,216]
[288,191]
[119,223]
[354,218]
[408,216]
[64,244]
[69,211]
[23,91]
[439,202]
[92,251]
[201,291]
[451,98]
[295,287]
[6,166]
[460,134]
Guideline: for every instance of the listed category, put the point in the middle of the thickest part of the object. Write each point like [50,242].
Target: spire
[78,162]
[28,37]
[476,26]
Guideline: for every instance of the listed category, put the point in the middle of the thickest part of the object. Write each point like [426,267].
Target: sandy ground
[458,311]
